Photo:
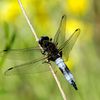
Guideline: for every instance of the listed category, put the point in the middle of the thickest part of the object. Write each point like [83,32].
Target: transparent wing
[31,67]
[68,44]
[59,37]
[21,54]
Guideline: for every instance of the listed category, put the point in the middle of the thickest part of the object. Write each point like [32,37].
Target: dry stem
[33,31]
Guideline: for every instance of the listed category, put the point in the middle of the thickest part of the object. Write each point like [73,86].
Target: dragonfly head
[43,40]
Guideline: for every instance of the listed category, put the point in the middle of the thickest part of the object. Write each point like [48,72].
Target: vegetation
[45,16]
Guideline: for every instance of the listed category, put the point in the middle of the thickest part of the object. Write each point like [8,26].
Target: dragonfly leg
[43,52]
[60,53]
[46,61]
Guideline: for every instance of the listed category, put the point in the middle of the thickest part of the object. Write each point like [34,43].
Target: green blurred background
[45,16]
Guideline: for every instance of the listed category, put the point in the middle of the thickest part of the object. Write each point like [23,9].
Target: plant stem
[35,35]
[58,83]
[28,21]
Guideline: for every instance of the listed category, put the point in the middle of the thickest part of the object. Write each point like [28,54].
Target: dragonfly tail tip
[74,85]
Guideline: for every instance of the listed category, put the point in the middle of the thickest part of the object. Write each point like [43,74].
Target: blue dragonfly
[53,50]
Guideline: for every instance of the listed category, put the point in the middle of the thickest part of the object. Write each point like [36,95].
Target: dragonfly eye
[43,40]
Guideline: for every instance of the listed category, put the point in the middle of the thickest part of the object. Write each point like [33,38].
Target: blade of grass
[35,35]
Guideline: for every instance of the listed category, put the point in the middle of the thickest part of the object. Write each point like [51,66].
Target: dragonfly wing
[35,66]
[60,34]
[21,54]
[68,44]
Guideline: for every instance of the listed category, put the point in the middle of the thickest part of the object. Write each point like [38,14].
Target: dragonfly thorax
[49,48]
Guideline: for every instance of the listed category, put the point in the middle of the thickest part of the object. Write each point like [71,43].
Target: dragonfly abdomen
[66,72]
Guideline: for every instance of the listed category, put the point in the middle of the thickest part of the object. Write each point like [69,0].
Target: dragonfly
[53,50]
